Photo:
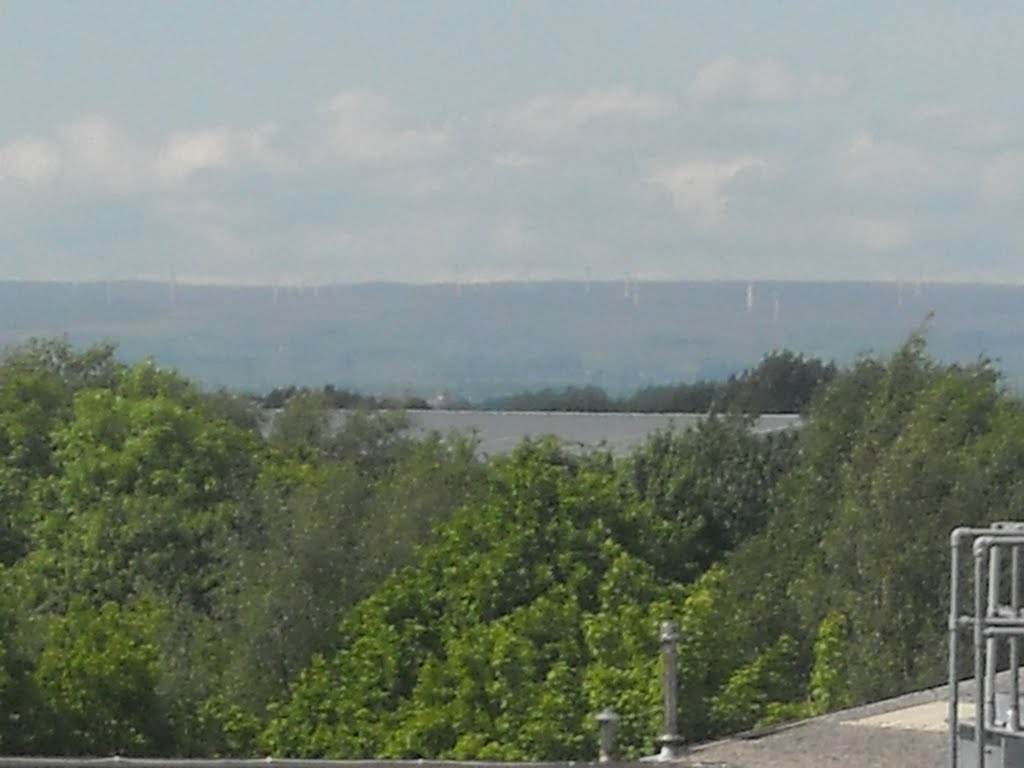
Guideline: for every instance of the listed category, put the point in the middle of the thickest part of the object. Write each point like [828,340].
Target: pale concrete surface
[817,744]
[909,731]
[931,716]
[906,732]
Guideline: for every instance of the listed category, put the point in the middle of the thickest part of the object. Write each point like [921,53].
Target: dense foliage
[174,583]
[782,382]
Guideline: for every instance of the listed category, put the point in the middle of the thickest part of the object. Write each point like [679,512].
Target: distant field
[481,341]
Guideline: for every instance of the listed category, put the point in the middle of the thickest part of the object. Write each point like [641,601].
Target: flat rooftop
[909,731]
[500,432]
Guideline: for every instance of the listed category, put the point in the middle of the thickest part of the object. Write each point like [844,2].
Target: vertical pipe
[954,646]
[670,671]
[1013,716]
[671,742]
[979,654]
[607,720]
[991,648]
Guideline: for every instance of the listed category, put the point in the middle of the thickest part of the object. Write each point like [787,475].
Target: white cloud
[876,233]
[700,188]
[554,118]
[514,160]
[987,130]
[763,81]
[99,153]
[867,160]
[29,161]
[185,154]
[417,182]
[513,235]
[931,111]
[948,124]
[499,192]
[94,153]
[364,127]
[1002,179]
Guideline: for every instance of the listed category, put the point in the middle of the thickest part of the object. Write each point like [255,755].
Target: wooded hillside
[174,584]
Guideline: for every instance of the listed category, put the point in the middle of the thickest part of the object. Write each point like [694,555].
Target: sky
[293,143]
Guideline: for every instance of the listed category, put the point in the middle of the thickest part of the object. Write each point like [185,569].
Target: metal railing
[993,623]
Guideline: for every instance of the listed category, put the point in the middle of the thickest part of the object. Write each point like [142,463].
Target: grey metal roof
[500,432]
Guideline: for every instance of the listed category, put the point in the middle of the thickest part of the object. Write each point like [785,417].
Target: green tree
[702,492]
[143,482]
[99,675]
[530,548]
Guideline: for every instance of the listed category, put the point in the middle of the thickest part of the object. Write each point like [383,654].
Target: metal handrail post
[991,642]
[1013,715]
[954,642]
[979,652]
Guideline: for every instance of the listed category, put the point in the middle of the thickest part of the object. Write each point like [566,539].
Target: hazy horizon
[294,286]
[491,339]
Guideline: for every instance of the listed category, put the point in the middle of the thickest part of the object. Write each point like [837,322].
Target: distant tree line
[783,382]
[343,398]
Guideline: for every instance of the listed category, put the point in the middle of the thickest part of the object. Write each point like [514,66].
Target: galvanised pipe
[991,642]
[980,550]
[1013,715]
[671,741]
[954,641]
[1007,533]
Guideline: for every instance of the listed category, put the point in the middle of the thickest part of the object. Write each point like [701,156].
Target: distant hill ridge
[483,340]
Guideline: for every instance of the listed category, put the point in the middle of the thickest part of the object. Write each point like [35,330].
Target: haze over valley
[479,341]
